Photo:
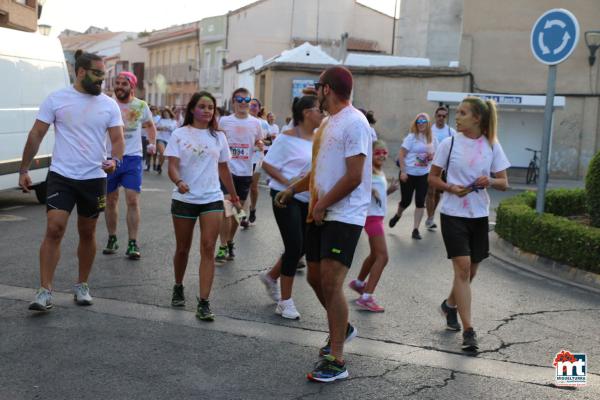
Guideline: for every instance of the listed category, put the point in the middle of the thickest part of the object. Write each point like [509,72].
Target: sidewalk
[552,184]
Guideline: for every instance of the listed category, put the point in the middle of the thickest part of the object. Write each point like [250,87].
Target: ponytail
[492,126]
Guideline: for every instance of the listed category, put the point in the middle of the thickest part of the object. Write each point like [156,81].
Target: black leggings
[291,221]
[414,183]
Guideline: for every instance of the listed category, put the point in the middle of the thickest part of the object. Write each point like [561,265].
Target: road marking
[304,337]
[11,208]
[152,190]
[11,218]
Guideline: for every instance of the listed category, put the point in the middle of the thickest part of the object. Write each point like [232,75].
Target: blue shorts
[128,175]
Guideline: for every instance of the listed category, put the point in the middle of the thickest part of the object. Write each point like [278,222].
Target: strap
[449,153]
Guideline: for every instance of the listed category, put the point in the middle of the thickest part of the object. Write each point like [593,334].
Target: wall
[19,16]
[497,51]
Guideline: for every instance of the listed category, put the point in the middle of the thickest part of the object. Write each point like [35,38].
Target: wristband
[23,171]
[116,160]
[178,182]
[234,199]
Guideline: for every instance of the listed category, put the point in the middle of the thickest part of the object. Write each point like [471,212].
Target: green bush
[592,186]
[549,235]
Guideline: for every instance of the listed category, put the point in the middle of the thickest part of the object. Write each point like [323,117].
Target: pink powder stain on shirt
[477,152]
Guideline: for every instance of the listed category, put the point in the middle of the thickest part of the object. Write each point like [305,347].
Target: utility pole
[394,28]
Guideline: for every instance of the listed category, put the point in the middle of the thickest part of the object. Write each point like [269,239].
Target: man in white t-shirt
[136,116]
[441,131]
[243,133]
[81,115]
[340,188]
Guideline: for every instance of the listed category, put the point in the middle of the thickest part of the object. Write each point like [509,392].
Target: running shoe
[43,300]
[221,254]
[451,315]
[81,294]
[230,247]
[416,235]
[370,304]
[178,298]
[244,223]
[430,225]
[356,287]
[470,340]
[328,369]
[301,264]
[133,251]
[252,216]
[271,286]
[287,309]
[203,312]
[351,333]
[394,220]
[111,246]
[159,169]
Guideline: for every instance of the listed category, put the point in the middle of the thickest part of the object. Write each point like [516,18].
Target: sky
[140,15]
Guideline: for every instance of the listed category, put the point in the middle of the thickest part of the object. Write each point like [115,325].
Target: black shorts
[466,237]
[63,193]
[182,209]
[334,240]
[241,184]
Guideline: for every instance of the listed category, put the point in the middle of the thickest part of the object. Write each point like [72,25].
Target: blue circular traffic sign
[554,36]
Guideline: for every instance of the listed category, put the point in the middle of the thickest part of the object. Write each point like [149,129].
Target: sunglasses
[241,99]
[422,121]
[319,85]
[96,72]
[380,152]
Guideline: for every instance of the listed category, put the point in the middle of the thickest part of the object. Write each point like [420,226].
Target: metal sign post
[553,38]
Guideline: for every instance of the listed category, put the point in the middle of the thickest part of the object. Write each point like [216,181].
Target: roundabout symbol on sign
[554,36]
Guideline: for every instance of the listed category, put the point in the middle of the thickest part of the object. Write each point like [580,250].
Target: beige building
[171,73]
[268,27]
[492,40]
[19,14]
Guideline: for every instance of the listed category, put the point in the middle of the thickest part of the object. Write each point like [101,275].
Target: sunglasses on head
[422,121]
[241,99]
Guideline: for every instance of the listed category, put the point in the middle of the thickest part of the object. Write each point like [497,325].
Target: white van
[31,67]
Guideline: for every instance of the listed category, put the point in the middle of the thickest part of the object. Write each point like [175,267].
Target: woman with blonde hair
[469,159]
[414,159]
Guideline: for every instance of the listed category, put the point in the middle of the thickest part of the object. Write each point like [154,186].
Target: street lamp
[44,29]
[592,40]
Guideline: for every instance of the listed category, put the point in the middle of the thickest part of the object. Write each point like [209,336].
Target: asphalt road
[130,344]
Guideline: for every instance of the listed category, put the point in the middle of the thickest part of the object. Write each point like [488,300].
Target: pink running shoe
[356,287]
[369,305]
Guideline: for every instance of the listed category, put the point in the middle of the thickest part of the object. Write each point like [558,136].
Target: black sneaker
[252,216]
[451,315]
[203,312]
[133,251]
[159,169]
[111,246]
[230,253]
[178,298]
[470,340]
[416,235]
[351,333]
[394,220]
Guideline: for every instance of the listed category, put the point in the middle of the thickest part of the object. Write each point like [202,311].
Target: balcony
[174,73]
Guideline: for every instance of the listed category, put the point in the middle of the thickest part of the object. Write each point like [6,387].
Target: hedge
[592,186]
[549,235]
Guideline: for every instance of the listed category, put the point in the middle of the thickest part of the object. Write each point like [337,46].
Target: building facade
[19,14]
[212,53]
[172,71]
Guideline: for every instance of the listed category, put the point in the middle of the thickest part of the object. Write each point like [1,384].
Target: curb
[541,266]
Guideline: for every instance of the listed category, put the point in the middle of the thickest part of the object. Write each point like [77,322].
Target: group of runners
[326,183]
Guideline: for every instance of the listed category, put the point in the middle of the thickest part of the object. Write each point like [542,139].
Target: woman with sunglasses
[198,159]
[415,158]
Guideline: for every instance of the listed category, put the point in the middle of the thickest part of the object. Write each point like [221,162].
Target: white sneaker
[271,286]
[43,300]
[81,294]
[430,225]
[287,309]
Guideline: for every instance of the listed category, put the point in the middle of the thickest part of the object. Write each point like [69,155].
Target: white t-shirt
[373,133]
[470,159]
[259,154]
[273,133]
[241,135]
[292,157]
[347,134]
[134,114]
[199,154]
[80,124]
[419,154]
[442,133]
[380,187]
[168,125]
